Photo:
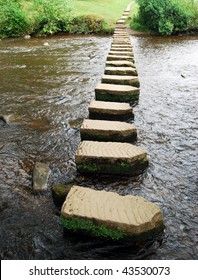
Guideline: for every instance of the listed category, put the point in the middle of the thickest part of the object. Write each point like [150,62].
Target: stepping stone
[110,111]
[125,36]
[125,41]
[121,49]
[121,32]
[121,42]
[114,131]
[109,215]
[121,80]
[121,53]
[116,93]
[124,71]
[124,17]
[120,57]
[119,63]
[120,26]
[110,158]
[120,21]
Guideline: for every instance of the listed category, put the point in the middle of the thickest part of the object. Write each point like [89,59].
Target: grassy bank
[110,10]
[166,17]
[44,17]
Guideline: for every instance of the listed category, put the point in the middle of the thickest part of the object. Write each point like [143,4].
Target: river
[45,92]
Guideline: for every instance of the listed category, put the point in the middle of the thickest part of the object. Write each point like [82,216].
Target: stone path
[106,148]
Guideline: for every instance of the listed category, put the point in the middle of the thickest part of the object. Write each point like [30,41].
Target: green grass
[109,10]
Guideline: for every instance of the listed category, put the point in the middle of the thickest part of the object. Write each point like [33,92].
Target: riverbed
[44,94]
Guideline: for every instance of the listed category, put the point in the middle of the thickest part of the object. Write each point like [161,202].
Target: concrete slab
[124,71]
[110,111]
[110,158]
[102,130]
[109,215]
[121,80]
[116,93]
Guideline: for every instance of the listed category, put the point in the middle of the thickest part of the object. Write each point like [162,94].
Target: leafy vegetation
[44,17]
[76,224]
[13,21]
[166,17]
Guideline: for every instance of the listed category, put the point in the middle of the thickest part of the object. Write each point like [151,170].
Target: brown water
[46,92]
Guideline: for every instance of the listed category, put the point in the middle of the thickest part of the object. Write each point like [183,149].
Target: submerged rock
[109,215]
[60,192]
[41,174]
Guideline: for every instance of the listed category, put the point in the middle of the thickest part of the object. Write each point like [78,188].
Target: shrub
[86,25]
[167,16]
[13,21]
[51,15]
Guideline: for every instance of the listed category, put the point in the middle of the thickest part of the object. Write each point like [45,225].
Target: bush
[51,15]
[13,21]
[166,17]
[86,25]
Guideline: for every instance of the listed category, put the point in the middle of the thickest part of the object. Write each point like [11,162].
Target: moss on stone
[113,117]
[60,192]
[88,226]
[116,137]
[118,168]
[117,98]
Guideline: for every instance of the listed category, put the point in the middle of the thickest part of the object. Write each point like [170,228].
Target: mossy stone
[60,192]
[117,98]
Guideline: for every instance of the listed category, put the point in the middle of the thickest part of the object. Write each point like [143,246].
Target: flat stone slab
[116,93]
[121,53]
[119,63]
[109,215]
[110,158]
[121,80]
[120,21]
[124,71]
[110,110]
[124,17]
[121,36]
[120,26]
[114,131]
[120,57]
[121,49]
[121,46]
[121,32]
[121,42]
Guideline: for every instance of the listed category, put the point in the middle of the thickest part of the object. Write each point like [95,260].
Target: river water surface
[45,92]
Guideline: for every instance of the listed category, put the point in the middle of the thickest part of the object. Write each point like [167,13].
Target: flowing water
[44,94]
